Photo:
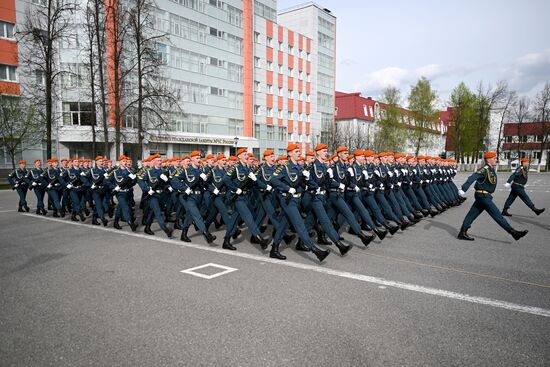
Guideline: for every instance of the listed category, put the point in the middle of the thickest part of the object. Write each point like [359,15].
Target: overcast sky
[394,42]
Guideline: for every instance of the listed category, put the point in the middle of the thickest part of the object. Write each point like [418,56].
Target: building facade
[526,140]
[360,115]
[242,77]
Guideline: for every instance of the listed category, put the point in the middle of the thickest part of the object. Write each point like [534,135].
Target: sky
[394,42]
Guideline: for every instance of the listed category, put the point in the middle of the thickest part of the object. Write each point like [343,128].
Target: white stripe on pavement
[318,269]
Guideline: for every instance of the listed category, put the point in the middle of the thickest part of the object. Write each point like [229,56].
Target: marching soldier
[54,183]
[98,188]
[121,181]
[37,185]
[516,182]
[19,182]
[485,183]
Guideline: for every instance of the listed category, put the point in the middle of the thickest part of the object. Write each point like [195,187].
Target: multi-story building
[526,140]
[361,115]
[242,77]
[319,24]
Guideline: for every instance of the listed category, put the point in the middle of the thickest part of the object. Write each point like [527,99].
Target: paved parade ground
[73,294]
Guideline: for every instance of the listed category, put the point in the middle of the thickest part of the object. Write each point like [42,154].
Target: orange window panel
[290,126]
[280,35]
[291,37]
[290,61]
[299,106]
[308,108]
[300,42]
[308,67]
[290,82]
[308,88]
[280,80]
[8,10]
[308,128]
[299,127]
[269,100]
[8,52]
[269,28]
[280,122]
[269,77]
[300,64]
[300,85]
[280,103]
[269,53]
[308,45]
[269,120]
[290,105]
[10,88]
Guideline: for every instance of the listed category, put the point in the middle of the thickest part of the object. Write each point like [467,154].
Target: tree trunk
[100,55]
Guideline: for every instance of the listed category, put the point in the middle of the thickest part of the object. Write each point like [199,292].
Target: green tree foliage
[391,134]
[422,99]
[462,130]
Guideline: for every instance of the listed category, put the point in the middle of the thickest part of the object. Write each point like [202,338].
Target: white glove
[93,186]
[404,171]
[382,186]
[396,172]
[117,188]
[306,174]
[366,174]
[318,191]
[188,191]
[203,176]
[399,183]
[132,176]
[216,191]
[461,193]
[82,173]
[163,177]
[350,171]
[421,181]
[371,186]
[151,192]
[330,173]
[357,189]
[49,186]
[391,186]
[292,190]
[390,173]
[239,191]
[507,185]
[16,185]
[252,176]
[268,188]
[170,188]
[342,186]
[106,175]
[34,184]
[377,173]
[69,186]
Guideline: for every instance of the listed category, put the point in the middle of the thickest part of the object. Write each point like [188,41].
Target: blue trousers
[193,214]
[355,202]
[381,199]
[394,203]
[518,191]
[242,210]
[292,215]
[22,192]
[484,202]
[339,206]
[76,200]
[101,204]
[154,211]
[372,205]
[123,208]
[54,195]
[39,193]
[318,212]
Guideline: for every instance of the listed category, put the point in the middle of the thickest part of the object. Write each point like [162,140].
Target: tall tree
[542,113]
[39,35]
[391,134]
[521,113]
[422,101]
[462,127]
[20,125]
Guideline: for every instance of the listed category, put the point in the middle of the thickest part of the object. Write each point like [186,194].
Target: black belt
[297,195]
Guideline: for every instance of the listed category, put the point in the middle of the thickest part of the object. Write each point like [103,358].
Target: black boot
[262,241]
[20,210]
[321,236]
[263,228]
[236,234]
[321,254]
[425,212]
[505,212]
[537,211]
[404,223]
[44,211]
[380,232]
[300,246]
[288,238]
[104,221]
[116,224]
[343,248]
[177,225]
[148,230]
[518,234]
[38,211]
[62,212]
[275,254]
[463,235]
[217,224]
[227,244]
[55,214]
[392,228]
[167,230]
[27,209]
[418,215]
[209,237]
[73,216]
[95,222]
[133,225]
[86,211]
[143,221]
[82,217]
[183,236]
[366,239]
[433,211]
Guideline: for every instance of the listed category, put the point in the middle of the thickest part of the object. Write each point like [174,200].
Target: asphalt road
[75,294]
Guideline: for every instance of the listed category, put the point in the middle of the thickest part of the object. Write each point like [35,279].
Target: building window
[6,30]
[308,97]
[257,62]
[290,49]
[301,75]
[39,2]
[291,71]
[270,135]
[217,91]
[40,77]
[257,86]
[280,114]
[280,67]
[269,42]
[289,93]
[257,37]
[280,92]
[308,56]
[269,112]
[280,45]
[78,113]
[8,73]
[308,118]
[269,66]
[269,89]
[300,53]
[257,110]
[536,155]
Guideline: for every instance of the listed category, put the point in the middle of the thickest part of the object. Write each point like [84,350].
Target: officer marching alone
[516,183]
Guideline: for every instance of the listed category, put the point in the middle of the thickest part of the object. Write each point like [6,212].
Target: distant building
[352,109]
[525,140]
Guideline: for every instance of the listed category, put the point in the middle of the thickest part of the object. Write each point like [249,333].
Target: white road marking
[6,211]
[319,269]
[225,270]
[381,287]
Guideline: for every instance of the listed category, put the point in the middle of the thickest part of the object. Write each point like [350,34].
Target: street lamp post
[235,142]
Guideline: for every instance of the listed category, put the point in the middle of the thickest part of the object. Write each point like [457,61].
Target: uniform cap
[342,149]
[22,161]
[524,160]
[99,158]
[241,151]
[209,156]
[36,160]
[292,146]
[368,153]
[268,152]
[233,158]
[321,147]
[489,155]
[220,157]
[195,153]
[358,152]
[309,153]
